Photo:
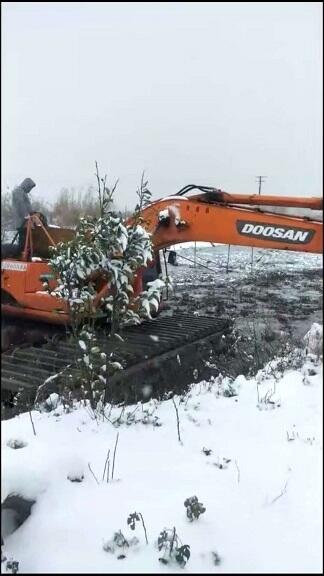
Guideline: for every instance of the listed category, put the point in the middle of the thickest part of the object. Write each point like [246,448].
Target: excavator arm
[236,219]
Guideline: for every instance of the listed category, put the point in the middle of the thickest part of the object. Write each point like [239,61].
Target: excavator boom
[210,194]
[212,219]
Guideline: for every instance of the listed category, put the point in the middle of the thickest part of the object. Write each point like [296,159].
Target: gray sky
[206,93]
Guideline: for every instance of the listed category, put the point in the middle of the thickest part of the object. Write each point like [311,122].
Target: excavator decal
[17,266]
[292,235]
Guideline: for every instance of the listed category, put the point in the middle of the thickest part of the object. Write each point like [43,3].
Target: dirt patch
[271,304]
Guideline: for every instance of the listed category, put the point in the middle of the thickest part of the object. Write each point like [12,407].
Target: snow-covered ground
[254,460]
[239,258]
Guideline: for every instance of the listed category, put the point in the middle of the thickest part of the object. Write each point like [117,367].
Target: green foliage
[103,257]
[108,251]
[132,519]
[182,555]
[194,508]
[118,541]
[12,566]
[136,517]
[173,549]
[144,196]
[95,369]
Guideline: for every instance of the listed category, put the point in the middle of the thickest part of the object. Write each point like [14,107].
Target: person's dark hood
[27,184]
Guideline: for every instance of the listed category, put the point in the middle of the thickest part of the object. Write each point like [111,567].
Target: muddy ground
[272,301]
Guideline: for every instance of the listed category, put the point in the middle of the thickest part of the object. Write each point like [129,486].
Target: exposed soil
[271,303]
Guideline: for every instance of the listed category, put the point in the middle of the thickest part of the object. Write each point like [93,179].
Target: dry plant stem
[144,528]
[108,468]
[113,465]
[44,384]
[178,423]
[120,415]
[99,186]
[103,476]
[283,491]
[172,543]
[238,472]
[31,419]
[92,473]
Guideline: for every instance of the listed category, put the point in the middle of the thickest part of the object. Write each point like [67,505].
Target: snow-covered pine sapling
[194,508]
[173,549]
[136,517]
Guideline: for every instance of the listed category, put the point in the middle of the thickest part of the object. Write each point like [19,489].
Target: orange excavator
[210,215]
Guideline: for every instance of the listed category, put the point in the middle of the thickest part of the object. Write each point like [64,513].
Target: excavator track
[160,355]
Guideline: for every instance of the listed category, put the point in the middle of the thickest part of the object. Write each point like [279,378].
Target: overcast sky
[206,93]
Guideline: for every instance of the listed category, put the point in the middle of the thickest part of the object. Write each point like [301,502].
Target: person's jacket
[21,205]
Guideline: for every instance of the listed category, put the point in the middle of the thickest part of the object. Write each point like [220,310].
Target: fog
[205,93]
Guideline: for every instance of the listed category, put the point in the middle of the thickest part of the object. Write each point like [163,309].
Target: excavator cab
[23,273]
[38,237]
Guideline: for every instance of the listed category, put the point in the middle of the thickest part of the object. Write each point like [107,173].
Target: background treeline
[66,210]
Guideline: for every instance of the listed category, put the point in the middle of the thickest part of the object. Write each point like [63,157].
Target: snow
[154,337]
[177,198]
[156,284]
[163,214]
[314,339]
[198,244]
[255,465]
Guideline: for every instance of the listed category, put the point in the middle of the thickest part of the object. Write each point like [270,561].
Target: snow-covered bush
[314,340]
[225,386]
[16,443]
[119,544]
[95,272]
[12,567]
[194,508]
[106,252]
[173,549]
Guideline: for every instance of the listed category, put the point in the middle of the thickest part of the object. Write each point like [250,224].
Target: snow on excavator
[210,215]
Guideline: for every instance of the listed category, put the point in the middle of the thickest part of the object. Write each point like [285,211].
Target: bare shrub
[72,205]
